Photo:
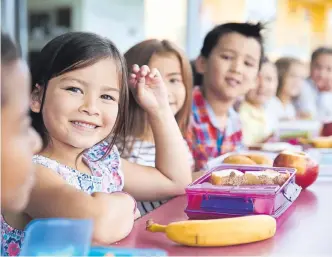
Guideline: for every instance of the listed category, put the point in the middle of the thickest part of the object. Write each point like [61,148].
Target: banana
[218,232]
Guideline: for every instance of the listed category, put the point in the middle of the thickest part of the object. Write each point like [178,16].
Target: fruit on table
[321,142]
[218,232]
[307,168]
[327,129]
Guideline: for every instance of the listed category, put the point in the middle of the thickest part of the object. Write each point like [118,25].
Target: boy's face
[19,141]
[321,70]
[231,69]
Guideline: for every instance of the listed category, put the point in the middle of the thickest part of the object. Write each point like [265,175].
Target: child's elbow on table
[115,223]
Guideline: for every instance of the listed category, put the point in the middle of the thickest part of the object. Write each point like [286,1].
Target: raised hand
[148,89]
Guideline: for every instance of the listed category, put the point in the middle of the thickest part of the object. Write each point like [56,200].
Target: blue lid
[57,237]
[125,252]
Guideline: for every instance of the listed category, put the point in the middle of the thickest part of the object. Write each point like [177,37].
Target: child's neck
[285,99]
[255,104]
[66,155]
[219,106]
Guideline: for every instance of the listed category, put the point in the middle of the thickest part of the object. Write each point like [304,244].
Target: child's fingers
[132,83]
[132,80]
[140,86]
[154,73]
[155,76]
[135,68]
[132,76]
[144,70]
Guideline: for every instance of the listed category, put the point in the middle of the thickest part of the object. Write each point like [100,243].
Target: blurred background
[294,27]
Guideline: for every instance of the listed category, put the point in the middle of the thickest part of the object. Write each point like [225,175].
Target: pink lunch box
[206,201]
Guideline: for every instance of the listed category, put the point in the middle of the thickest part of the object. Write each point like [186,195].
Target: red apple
[327,129]
[307,168]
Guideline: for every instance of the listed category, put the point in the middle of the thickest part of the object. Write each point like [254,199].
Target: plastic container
[125,252]
[206,201]
[57,237]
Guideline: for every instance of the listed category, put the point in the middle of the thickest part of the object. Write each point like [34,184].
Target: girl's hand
[148,89]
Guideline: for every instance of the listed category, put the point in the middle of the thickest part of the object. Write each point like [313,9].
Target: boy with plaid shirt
[229,62]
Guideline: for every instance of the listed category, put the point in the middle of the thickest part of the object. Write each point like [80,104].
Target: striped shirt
[144,153]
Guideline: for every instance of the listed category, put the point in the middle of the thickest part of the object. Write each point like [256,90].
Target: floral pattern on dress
[11,239]
[106,176]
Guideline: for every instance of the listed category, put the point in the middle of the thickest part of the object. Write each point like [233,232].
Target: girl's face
[170,69]
[321,70]
[81,106]
[19,141]
[293,80]
[267,85]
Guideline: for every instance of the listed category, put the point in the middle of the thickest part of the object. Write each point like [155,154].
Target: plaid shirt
[205,139]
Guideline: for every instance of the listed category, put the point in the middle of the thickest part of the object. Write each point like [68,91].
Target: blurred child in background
[309,104]
[229,62]
[257,126]
[291,73]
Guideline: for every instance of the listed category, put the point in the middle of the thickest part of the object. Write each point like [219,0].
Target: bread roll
[239,159]
[260,159]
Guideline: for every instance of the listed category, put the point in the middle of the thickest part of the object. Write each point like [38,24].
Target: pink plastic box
[206,201]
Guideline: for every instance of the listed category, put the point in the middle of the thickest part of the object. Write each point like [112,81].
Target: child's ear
[200,64]
[36,98]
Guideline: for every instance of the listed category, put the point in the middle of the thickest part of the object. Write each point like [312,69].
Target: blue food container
[125,252]
[57,237]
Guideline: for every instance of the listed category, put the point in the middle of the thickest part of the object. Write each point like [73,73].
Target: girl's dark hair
[141,54]
[9,53]
[283,65]
[72,51]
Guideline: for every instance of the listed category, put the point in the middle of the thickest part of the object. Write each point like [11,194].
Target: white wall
[122,21]
[166,19]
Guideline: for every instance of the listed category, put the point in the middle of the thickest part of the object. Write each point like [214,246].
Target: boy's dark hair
[319,51]
[245,29]
[9,53]
[76,50]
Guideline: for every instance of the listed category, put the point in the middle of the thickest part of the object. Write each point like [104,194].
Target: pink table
[304,229]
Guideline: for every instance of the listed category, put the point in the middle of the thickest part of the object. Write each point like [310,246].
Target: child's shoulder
[103,153]
[106,161]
